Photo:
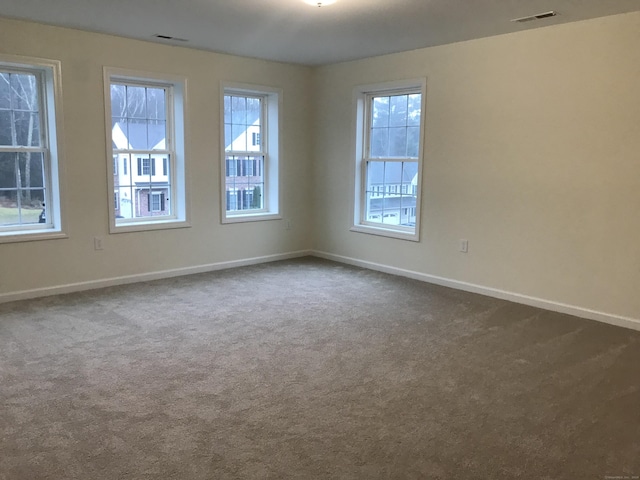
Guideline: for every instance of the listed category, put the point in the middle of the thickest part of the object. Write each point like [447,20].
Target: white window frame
[362,96]
[270,148]
[176,102]
[49,77]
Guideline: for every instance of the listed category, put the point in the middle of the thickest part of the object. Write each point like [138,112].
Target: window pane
[414,107]
[118,101]
[397,142]
[375,174]
[380,112]
[5,90]
[31,170]
[125,202]
[379,142]
[239,136]
[136,102]
[390,193]
[413,141]
[9,211]
[253,111]
[156,107]
[244,183]
[242,123]
[19,117]
[398,111]
[120,133]
[27,125]
[21,193]
[7,128]
[157,135]
[8,170]
[24,92]
[410,173]
[395,126]
[239,110]
[32,204]
[392,175]
[149,194]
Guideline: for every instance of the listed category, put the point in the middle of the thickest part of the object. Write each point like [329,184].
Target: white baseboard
[620,321]
[144,277]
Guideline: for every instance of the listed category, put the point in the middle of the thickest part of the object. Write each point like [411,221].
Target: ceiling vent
[167,37]
[538,16]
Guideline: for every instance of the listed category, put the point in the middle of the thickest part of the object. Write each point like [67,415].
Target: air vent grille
[168,37]
[538,16]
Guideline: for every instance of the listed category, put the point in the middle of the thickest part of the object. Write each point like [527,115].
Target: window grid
[245,153]
[141,116]
[390,166]
[25,174]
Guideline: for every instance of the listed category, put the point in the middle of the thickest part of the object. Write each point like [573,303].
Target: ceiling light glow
[319,3]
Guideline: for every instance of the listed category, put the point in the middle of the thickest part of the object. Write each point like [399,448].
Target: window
[389,159]
[146,125]
[29,128]
[250,140]
[156,202]
[144,166]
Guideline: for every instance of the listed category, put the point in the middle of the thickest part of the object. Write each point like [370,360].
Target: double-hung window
[249,170]
[389,159]
[145,121]
[29,130]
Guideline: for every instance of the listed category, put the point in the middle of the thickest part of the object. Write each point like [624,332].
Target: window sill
[386,232]
[149,226]
[251,217]
[31,236]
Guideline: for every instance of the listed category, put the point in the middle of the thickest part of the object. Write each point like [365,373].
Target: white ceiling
[292,31]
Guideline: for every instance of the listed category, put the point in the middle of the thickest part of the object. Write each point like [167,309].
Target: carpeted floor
[308,369]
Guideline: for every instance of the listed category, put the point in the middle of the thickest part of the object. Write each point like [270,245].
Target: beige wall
[532,154]
[42,264]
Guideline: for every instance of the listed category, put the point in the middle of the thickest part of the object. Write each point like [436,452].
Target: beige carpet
[308,369]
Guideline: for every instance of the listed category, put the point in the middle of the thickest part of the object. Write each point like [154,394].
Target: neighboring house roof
[393,173]
[240,141]
[138,136]
[243,141]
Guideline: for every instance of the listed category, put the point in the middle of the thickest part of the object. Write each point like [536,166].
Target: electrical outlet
[287,225]
[464,245]
[97,243]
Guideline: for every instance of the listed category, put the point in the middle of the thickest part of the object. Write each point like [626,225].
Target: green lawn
[9,216]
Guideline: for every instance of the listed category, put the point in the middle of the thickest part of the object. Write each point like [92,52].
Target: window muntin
[389,161]
[29,194]
[145,118]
